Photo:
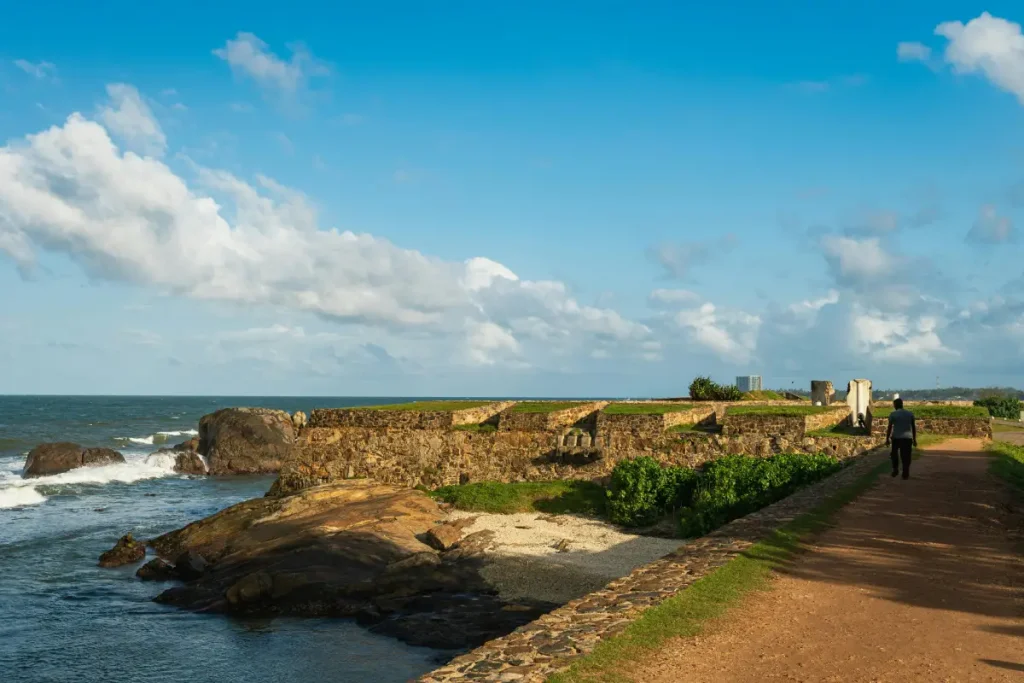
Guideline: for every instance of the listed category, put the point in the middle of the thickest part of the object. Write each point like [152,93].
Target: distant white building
[749,383]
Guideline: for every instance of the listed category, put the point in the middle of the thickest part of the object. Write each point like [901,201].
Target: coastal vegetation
[763,395]
[935,411]
[553,497]
[646,408]
[1005,407]
[705,389]
[1008,464]
[642,490]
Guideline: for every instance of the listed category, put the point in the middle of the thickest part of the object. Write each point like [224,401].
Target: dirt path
[918,581]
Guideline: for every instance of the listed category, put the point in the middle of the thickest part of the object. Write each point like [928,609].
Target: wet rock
[443,536]
[125,551]
[250,588]
[55,458]
[190,565]
[246,440]
[157,569]
[352,548]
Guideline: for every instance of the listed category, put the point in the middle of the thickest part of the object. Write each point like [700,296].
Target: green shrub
[737,485]
[1005,407]
[705,389]
[642,490]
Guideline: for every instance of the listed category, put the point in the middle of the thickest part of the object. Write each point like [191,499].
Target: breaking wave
[18,492]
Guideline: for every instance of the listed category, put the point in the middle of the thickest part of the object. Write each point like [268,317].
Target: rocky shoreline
[385,556]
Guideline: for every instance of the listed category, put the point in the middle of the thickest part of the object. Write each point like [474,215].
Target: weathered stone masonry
[789,426]
[438,457]
[404,419]
[653,425]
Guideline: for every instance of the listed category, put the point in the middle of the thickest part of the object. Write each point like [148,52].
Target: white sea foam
[184,432]
[16,491]
[20,497]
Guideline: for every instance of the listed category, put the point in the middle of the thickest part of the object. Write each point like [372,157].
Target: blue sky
[508,198]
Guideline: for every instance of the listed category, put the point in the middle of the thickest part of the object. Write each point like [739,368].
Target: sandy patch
[560,557]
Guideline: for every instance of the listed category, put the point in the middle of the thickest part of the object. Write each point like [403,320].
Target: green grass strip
[926,411]
[778,410]
[544,406]
[552,497]
[430,406]
[646,408]
[1008,464]
[686,614]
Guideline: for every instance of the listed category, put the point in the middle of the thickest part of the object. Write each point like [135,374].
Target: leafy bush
[705,389]
[1005,407]
[642,490]
[734,486]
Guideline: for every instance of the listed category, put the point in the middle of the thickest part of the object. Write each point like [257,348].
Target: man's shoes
[906,475]
[895,472]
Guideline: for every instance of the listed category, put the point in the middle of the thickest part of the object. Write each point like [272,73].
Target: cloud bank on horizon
[111,192]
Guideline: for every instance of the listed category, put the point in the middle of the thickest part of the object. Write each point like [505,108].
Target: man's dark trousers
[902,449]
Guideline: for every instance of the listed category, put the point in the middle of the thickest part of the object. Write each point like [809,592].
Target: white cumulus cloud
[128,117]
[988,45]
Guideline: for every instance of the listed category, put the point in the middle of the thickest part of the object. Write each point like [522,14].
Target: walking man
[902,434]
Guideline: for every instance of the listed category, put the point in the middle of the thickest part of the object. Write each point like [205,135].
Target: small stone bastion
[792,422]
[651,419]
[417,415]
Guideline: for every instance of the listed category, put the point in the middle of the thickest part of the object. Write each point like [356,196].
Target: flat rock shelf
[553,642]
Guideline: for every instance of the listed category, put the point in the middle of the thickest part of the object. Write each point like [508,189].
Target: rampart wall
[438,457]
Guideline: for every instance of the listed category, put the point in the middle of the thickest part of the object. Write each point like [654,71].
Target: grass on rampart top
[430,406]
[763,395]
[544,406]
[646,408]
[926,411]
[794,410]
[553,497]
[1008,464]
[1003,427]
[686,613]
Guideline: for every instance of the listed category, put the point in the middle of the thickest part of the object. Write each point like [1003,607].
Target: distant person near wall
[902,434]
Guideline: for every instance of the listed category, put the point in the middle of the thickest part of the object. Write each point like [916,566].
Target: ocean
[63,619]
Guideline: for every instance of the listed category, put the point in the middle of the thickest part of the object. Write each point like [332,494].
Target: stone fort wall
[438,457]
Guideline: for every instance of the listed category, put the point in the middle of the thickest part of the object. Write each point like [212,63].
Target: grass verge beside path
[686,613]
[552,497]
[1008,464]
[927,411]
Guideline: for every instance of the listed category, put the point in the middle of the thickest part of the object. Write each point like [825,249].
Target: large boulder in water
[186,458]
[246,440]
[347,549]
[125,551]
[55,458]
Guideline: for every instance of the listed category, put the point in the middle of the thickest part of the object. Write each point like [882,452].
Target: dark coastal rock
[349,549]
[157,569]
[55,458]
[186,457]
[125,551]
[246,440]
[190,565]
